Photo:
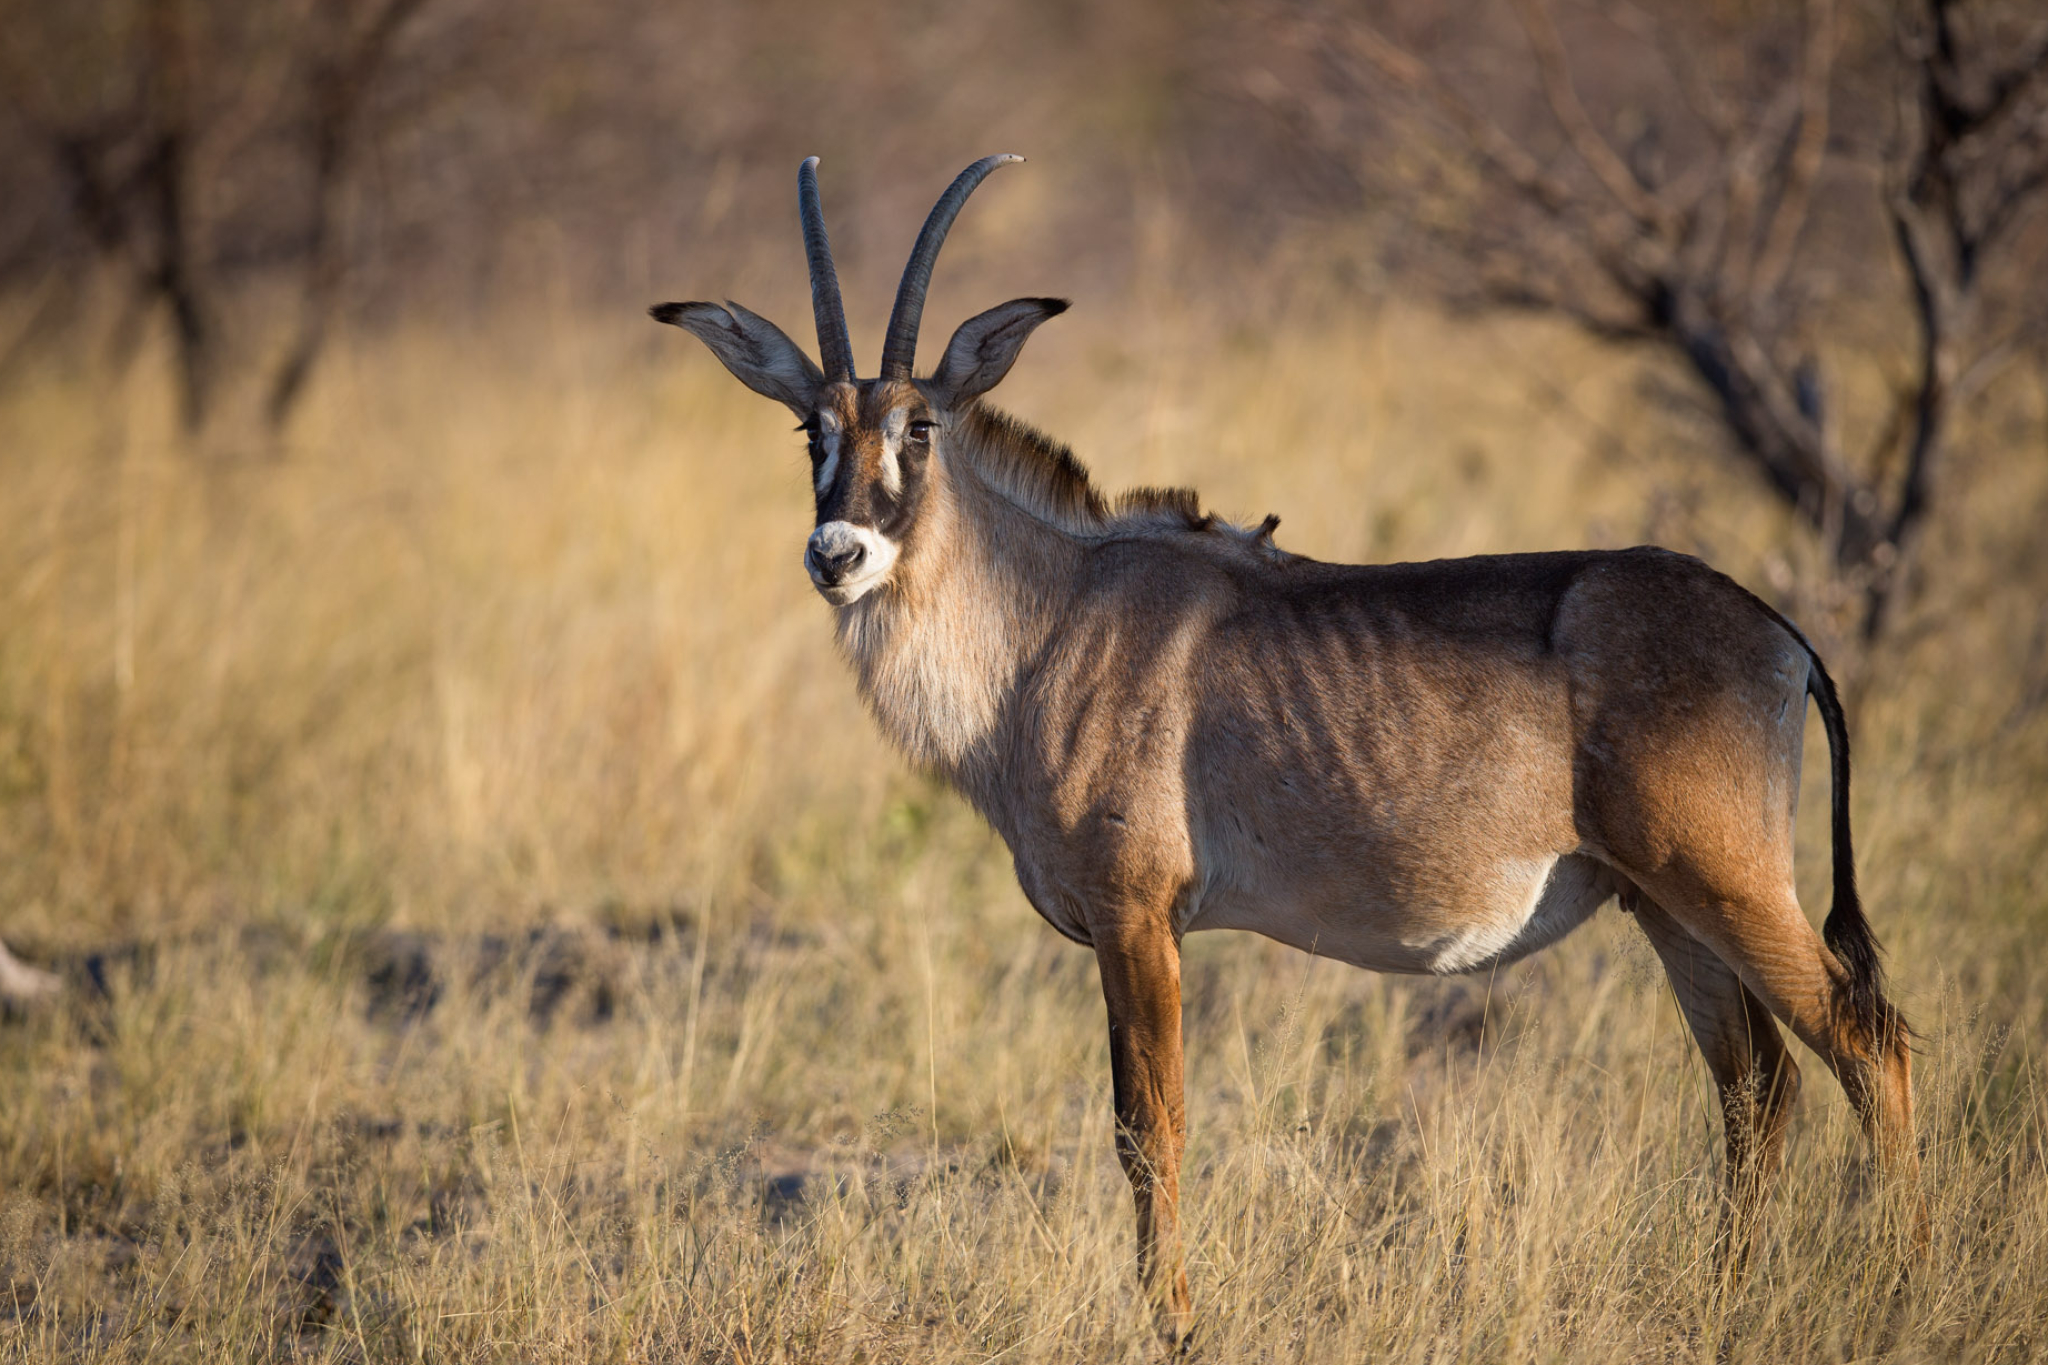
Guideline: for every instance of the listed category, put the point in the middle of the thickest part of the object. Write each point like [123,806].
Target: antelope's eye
[920,432]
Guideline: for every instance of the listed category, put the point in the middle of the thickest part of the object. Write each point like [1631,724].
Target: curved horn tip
[834,346]
[899,344]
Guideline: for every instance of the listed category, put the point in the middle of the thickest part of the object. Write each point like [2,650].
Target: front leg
[1140,963]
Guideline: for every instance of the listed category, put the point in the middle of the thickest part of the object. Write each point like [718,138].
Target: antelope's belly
[1506,912]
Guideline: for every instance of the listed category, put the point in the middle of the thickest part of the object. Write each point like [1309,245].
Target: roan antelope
[1435,767]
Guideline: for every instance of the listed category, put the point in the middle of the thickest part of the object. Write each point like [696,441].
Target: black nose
[831,567]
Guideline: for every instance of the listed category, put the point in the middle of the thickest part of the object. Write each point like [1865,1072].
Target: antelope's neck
[942,652]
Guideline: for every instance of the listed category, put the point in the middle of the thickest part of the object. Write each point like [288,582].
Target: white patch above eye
[893,427]
[828,441]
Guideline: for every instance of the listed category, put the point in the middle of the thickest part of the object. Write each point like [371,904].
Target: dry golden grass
[507,939]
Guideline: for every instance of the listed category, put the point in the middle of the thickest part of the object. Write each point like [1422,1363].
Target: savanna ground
[495,932]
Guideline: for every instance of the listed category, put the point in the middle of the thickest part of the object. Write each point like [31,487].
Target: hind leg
[1764,937]
[1754,1076]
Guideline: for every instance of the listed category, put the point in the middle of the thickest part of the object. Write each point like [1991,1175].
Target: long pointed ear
[986,346]
[759,353]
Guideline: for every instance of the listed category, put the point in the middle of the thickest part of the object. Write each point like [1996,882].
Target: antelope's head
[876,445]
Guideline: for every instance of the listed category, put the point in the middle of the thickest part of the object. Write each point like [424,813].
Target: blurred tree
[247,176]
[1705,253]
[140,108]
[345,52]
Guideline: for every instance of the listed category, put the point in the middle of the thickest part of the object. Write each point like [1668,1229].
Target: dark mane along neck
[1042,476]
[939,653]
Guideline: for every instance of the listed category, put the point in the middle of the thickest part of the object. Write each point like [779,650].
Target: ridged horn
[835,347]
[899,350]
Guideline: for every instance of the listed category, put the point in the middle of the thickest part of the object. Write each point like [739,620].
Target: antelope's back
[1385,756]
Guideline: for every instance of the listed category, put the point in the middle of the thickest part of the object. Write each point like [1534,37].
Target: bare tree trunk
[345,68]
[132,168]
[174,271]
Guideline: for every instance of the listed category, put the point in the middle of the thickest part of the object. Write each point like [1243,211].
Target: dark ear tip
[1054,307]
[674,313]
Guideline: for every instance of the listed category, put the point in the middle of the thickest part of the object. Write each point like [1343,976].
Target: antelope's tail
[1847,929]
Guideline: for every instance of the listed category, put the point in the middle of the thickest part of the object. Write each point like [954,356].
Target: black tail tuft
[1847,929]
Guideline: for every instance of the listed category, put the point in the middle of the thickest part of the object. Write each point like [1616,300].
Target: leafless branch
[344,67]
[1714,112]
[1789,216]
[1706,263]
[1586,139]
[1620,249]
